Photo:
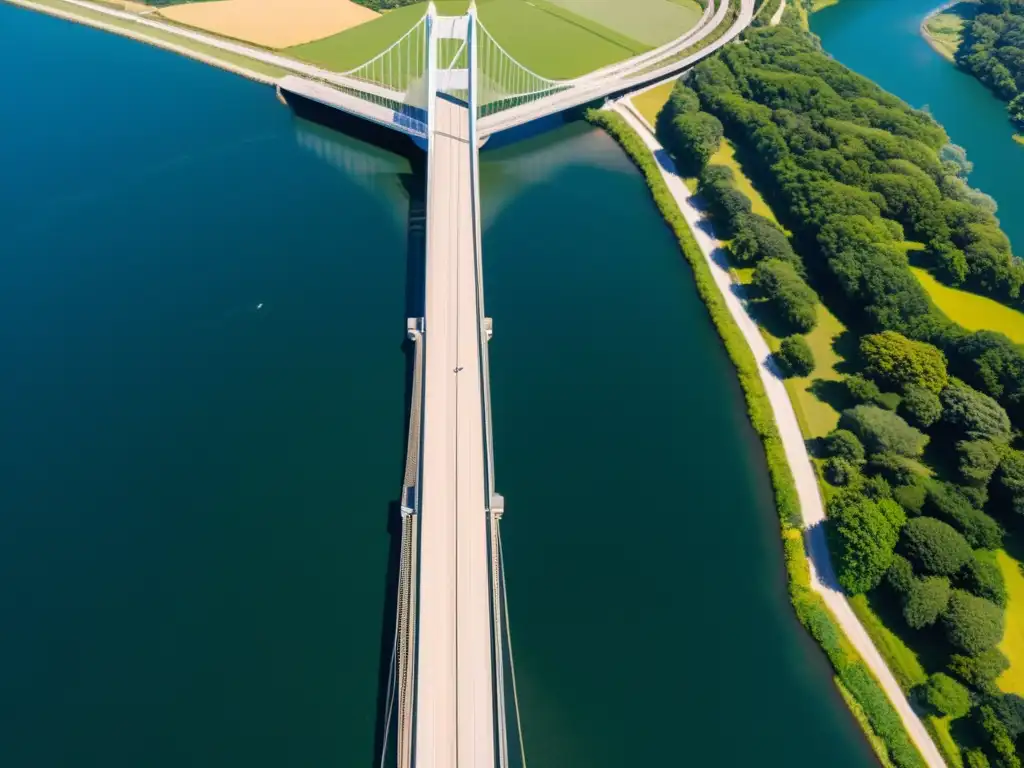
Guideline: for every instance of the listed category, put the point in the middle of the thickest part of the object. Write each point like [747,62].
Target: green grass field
[972,311]
[544,37]
[652,22]
[1012,680]
[650,102]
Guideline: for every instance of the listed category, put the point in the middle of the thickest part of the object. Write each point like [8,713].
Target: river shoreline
[76,18]
[932,41]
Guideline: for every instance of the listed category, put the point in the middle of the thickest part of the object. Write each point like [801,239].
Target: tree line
[858,178]
[993,51]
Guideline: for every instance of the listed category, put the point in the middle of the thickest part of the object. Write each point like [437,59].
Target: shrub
[863,540]
[895,359]
[693,137]
[925,600]
[795,356]
[934,547]
[1008,486]
[946,502]
[999,738]
[900,575]
[982,577]
[920,406]
[897,469]
[980,671]
[843,444]
[975,415]
[794,299]
[978,460]
[973,624]
[1009,708]
[946,696]
[839,471]
[863,390]
[975,758]
[758,239]
[883,431]
[911,497]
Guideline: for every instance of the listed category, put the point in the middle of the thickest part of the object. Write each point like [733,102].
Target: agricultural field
[652,22]
[552,41]
[271,23]
[972,311]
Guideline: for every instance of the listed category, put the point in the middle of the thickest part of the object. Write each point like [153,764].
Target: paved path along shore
[823,578]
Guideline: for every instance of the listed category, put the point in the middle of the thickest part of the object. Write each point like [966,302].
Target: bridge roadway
[455,713]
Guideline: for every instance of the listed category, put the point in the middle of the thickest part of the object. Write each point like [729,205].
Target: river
[881,40]
[202,307]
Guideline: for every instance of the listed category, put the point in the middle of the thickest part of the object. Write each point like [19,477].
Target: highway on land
[454,696]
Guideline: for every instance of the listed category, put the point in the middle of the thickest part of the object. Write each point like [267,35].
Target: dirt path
[823,579]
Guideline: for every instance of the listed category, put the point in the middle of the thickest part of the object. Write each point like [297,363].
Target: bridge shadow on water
[413,184]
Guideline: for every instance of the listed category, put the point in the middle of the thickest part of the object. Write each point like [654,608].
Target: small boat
[260,305]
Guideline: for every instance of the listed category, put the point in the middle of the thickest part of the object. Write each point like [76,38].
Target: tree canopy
[902,362]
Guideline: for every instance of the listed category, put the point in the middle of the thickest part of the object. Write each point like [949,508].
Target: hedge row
[809,606]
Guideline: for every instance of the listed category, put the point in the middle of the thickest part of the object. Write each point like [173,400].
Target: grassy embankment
[815,414]
[128,28]
[544,37]
[971,310]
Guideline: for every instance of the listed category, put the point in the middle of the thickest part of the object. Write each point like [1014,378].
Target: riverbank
[819,603]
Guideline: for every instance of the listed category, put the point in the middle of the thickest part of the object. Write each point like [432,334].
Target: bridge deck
[454,697]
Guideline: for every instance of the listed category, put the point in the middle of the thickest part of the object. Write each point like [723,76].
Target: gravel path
[823,579]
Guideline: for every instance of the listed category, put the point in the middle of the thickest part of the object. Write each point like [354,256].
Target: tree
[983,578]
[946,696]
[975,415]
[900,575]
[843,444]
[863,540]
[978,460]
[795,356]
[981,670]
[898,470]
[947,502]
[999,737]
[1008,487]
[883,431]
[911,497]
[934,547]
[839,471]
[921,407]
[794,299]
[757,239]
[972,624]
[1009,708]
[975,758]
[693,138]
[897,360]
[925,600]
[864,390]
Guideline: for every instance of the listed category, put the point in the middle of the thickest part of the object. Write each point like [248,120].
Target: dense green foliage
[920,406]
[946,696]
[974,414]
[883,431]
[982,577]
[947,502]
[843,444]
[796,357]
[934,547]
[925,600]
[902,362]
[758,239]
[863,534]
[810,608]
[972,623]
[794,300]
[993,51]
[979,671]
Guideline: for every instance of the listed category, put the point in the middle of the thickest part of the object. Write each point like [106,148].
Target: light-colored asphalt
[454,706]
[811,508]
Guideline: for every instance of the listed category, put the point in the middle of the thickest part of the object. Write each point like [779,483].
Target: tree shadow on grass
[931,647]
[847,346]
[833,393]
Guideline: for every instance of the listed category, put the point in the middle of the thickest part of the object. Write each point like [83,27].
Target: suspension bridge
[449,84]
